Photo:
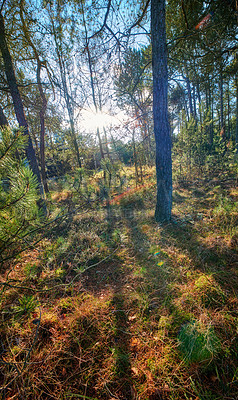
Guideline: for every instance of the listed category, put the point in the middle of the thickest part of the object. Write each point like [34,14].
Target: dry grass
[111,306]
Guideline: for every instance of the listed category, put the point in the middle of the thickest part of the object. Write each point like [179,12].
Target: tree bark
[17,102]
[160,112]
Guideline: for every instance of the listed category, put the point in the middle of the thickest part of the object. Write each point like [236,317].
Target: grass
[109,305]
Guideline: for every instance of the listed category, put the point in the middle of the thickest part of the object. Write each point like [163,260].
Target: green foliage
[192,146]
[18,190]
[123,150]
[111,172]
[225,214]
[197,342]
[135,76]
[31,270]
[26,306]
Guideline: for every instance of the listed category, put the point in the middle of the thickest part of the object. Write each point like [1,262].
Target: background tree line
[59,58]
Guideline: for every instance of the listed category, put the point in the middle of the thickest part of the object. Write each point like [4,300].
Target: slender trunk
[66,96]
[187,112]
[146,139]
[200,102]
[100,143]
[150,148]
[160,112]
[3,119]
[43,100]
[211,107]
[194,102]
[198,93]
[94,100]
[93,89]
[17,102]
[141,116]
[36,144]
[228,112]
[106,143]
[221,102]
[207,99]
[236,138]
[42,131]
[219,120]
[135,157]
[189,94]
[222,124]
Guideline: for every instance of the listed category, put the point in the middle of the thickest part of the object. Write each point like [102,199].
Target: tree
[17,102]
[134,91]
[43,99]
[63,53]
[160,112]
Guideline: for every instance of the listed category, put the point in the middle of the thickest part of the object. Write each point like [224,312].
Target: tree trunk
[66,94]
[106,143]
[135,157]
[93,94]
[3,119]
[17,102]
[100,143]
[223,133]
[160,112]
[236,139]
[211,125]
[228,112]
[194,102]
[188,84]
[43,100]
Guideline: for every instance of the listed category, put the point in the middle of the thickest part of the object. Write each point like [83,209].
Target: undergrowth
[109,305]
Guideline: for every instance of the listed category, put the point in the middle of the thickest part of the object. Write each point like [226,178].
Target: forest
[119,200]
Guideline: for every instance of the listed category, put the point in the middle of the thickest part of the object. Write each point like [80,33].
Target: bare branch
[140,18]
[104,25]
[4,1]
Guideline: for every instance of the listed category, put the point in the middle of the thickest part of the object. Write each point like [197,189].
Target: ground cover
[111,305]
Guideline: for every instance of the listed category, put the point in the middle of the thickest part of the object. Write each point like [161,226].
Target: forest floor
[110,305]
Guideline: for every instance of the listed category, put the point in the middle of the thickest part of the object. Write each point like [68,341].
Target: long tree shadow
[139,240]
[111,275]
[122,380]
[217,259]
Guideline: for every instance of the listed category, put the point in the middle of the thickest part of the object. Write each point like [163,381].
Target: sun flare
[90,121]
